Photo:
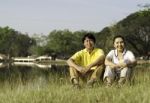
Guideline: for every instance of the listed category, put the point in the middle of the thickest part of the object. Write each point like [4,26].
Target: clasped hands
[119,66]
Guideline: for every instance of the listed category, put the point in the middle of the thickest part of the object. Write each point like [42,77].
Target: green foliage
[13,43]
[65,43]
[104,39]
[135,28]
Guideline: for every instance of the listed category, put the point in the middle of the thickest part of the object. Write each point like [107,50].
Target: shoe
[74,81]
[121,81]
[108,85]
[108,82]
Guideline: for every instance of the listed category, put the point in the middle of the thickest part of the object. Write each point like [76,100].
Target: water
[32,73]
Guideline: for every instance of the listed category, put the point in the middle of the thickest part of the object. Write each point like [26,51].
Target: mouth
[120,48]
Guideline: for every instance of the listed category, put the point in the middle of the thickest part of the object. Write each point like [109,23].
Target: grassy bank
[56,88]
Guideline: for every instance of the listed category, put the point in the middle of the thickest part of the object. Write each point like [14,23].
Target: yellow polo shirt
[83,57]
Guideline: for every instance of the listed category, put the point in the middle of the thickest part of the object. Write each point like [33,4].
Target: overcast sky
[43,16]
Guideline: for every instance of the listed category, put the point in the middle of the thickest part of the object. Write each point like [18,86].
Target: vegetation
[14,43]
[32,85]
[63,43]
[135,28]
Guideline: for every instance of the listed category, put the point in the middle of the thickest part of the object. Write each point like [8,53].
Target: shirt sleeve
[131,56]
[101,52]
[77,57]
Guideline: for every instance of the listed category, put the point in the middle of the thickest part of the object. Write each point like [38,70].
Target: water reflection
[19,72]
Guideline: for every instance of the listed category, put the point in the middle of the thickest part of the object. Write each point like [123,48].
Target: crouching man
[87,64]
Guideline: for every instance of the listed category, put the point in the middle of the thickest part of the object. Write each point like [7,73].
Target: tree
[13,43]
[136,28]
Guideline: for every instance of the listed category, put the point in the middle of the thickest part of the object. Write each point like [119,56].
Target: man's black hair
[90,36]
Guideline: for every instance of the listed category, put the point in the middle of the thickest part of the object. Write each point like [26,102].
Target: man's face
[88,43]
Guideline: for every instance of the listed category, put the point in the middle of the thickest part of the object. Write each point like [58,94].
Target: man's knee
[99,72]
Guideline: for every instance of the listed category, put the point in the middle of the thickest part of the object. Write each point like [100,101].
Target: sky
[44,16]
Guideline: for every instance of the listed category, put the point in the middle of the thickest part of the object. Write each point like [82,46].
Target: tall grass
[51,86]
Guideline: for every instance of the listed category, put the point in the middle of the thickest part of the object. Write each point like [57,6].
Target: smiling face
[119,44]
[89,44]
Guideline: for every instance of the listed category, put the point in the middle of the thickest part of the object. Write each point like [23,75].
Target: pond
[25,73]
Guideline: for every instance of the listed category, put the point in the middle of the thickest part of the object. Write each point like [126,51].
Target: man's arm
[97,62]
[71,63]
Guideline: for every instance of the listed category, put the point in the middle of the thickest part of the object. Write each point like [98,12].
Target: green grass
[50,87]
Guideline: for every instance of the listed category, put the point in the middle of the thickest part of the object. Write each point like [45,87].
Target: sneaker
[75,81]
[121,81]
[108,85]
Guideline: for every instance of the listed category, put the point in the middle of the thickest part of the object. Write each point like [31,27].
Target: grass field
[56,88]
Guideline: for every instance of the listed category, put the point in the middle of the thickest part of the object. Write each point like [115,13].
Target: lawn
[56,88]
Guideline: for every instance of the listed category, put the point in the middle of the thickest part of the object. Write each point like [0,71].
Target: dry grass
[49,87]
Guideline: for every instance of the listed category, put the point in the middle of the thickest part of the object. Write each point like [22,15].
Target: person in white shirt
[119,62]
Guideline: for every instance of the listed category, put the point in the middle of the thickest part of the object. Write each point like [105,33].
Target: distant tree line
[14,43]
[63,43]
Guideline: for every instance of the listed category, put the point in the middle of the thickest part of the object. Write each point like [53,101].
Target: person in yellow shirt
[87,64]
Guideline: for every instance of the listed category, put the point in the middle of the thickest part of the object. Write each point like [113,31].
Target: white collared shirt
[128,56]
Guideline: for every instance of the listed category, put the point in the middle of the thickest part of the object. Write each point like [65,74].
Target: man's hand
[81,69]
[86,69]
